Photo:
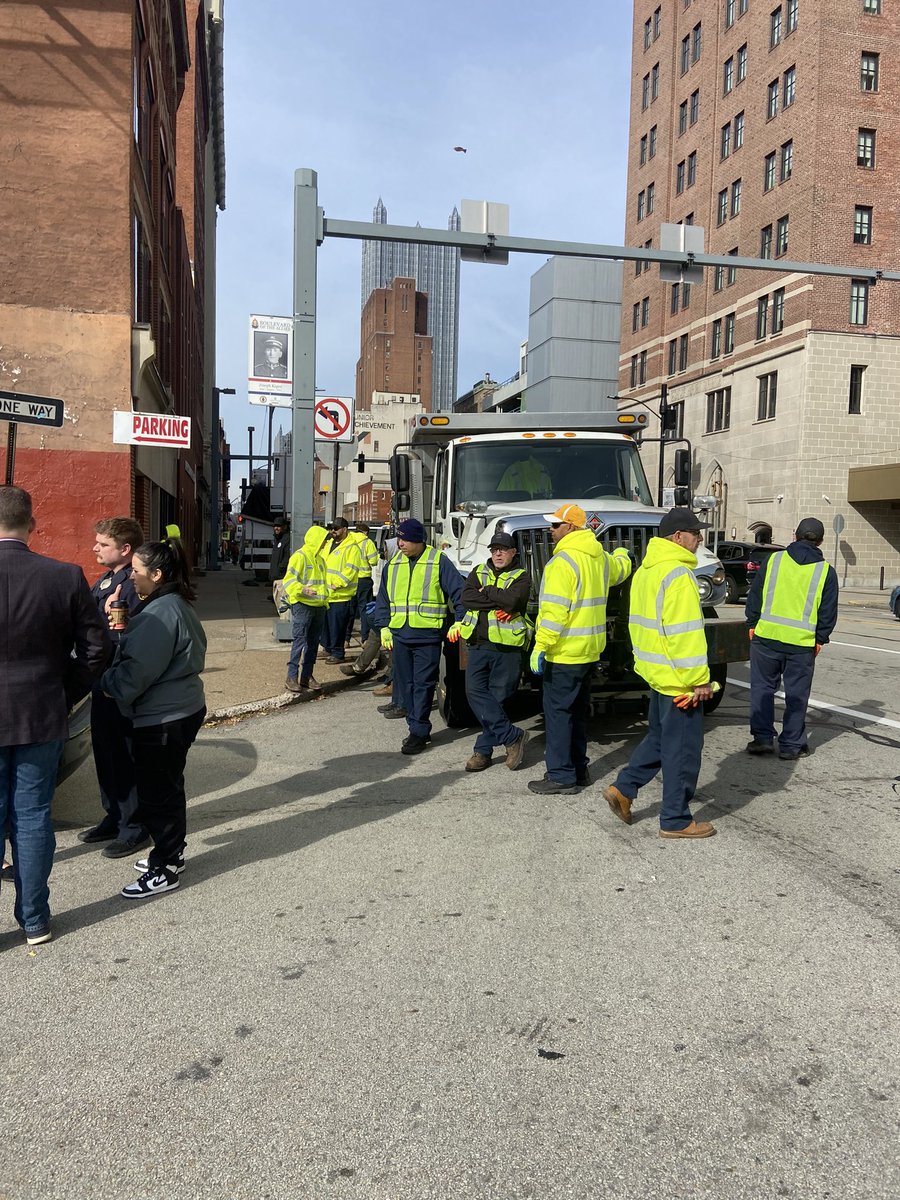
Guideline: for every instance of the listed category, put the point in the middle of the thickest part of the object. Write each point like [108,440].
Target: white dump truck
[467,476]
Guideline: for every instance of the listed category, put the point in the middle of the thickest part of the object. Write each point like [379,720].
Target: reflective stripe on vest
[504,633]
[658,626]
[791,588]
[425,605]
[582,621]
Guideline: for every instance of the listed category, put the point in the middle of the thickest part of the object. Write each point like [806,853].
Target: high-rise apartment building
[395,352]
[776,127]
[435,270]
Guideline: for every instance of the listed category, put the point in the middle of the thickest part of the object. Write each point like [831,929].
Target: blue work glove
[536,662]
[370,608]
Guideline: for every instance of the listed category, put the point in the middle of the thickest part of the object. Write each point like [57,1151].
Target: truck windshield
[507,472]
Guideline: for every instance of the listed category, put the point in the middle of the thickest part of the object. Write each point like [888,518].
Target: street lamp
[215,470]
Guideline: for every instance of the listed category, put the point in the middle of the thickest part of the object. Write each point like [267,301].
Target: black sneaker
[104,832]
[395,714]
[414,744]
[151,883]
[756,747]
[548,787]
[124,849]
[583,777]
[38,936]
[791,755]
[143,864]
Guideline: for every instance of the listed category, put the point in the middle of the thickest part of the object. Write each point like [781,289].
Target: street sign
[334,418]
[151,429]
[270,401]
[31,410]
[270,354]
[347,451]
[838,523]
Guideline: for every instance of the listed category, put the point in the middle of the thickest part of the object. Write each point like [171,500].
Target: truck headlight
[718,576]
[705,587]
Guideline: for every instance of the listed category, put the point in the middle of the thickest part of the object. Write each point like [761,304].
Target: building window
[642,156]
[689,219]
[762,317]
[742,7]
[679,177]
[781,236]
[635,316]
[729,13]
[769,172]
[719,279]
[736,189]
[728,76]
[673,356]
[696,41]
[778,310]
[859,302]
[676,422]
[645,91]
[856,390]
[722,207]
[695,106]
[641,205]
[645,312]
[715,342]
[729,333]
[862,225]
[676,298]
[685,54]
[790,87]
[718,410]
[682,117]
[768,390]
[648,33]
[651,197]
[683,352]
[692,168]
[642,367]
[765,242]
[865,148]
[739,131]
[787,161]
[791,15]
[868,71]
[652,149]
[141,273]
[742,63]
[732,271]
[725,141]
[775,27]
[654,83]
[685,296]
[633,376]
[657,23]
[872,7]
[772,99]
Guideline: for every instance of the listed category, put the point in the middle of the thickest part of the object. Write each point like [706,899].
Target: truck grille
[535,547]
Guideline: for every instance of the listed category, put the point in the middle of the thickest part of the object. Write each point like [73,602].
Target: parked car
[894,602]
[78,739]
[741,561]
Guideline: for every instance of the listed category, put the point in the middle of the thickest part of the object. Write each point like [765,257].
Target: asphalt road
[385,978]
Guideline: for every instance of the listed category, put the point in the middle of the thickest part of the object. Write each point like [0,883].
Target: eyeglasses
[557,524]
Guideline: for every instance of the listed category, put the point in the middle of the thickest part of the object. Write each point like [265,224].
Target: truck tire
[451,693]
[718,673]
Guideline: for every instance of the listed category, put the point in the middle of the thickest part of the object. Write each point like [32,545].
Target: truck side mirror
[401,502]
[400,475]
[682,468]
[682,496]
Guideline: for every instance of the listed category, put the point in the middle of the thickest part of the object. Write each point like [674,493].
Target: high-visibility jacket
[666,624]
[414,591]
[505,633]
[368,552]
[344,563]
[792,593]
[306,568]
[571,624]
[529,476]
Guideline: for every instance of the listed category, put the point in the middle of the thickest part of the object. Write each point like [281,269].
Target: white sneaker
[176,867]
[151,883]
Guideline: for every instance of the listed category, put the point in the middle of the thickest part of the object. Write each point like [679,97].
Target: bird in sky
[460,149]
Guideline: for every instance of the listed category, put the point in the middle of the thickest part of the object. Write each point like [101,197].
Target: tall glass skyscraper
[436,272]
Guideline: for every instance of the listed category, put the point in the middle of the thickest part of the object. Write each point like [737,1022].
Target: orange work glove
[751,633]
[818,649]
[503,616]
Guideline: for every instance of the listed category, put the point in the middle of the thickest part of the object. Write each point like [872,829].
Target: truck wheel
[719,674]
[731,591]
[451,693]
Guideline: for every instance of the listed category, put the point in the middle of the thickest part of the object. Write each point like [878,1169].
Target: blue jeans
[340,614]
[27,783]
[491,678]
[416,666]
[567,706]
[674,743]
[768,667]
[307,627]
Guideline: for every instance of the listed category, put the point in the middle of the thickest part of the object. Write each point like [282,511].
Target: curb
[257,708]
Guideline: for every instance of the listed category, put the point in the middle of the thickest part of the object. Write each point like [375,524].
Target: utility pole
[663,411]
[308,222]
[215,470]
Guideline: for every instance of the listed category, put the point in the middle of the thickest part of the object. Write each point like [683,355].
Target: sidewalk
[245,666]
[871,597]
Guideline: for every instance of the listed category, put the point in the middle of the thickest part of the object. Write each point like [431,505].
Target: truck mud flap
[727,641]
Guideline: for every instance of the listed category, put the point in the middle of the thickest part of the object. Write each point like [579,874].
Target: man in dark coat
[53,645]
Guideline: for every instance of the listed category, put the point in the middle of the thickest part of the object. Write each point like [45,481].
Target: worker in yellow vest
[569,638]
[792,609]
[668,638]
[419,596]
[306,595]
[497,633]
[344,563]
[368,553]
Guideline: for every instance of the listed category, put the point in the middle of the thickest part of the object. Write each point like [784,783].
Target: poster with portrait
[270,353]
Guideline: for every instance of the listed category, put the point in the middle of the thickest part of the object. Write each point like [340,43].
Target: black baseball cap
[503,541]
[810,529]
[680,519]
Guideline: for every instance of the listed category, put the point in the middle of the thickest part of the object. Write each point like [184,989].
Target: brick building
[395,350]
[776,127]
[110,125]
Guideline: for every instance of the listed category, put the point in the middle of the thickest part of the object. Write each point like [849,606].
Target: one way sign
[31,410]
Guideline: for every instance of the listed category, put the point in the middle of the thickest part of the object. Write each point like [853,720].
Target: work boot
[696,829]
[414,744]
[756,747]
[387,690]
[549,787]
[793,755]
[478,762]
[620,805]
[350,669]
[292,685]
[515,752]
[392,712]
[310,681]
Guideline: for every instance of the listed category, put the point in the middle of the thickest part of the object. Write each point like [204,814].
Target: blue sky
[374,98]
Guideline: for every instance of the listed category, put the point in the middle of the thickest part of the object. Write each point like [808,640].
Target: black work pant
[160,752]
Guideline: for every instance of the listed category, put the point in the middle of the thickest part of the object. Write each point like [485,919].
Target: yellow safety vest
[571,624]
[306,569]
[415,593]
[792,593]
[368,554]
[344,563]
[505,633]
[668,634]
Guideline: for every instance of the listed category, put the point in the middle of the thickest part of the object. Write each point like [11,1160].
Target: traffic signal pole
[308,219]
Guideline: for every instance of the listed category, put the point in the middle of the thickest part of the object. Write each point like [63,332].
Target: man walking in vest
[569,639]
[344,563]
[792,608]
[669,642]
[419,588]
[495,596]
[306,593]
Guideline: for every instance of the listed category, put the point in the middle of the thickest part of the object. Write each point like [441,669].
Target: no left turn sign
[334,418]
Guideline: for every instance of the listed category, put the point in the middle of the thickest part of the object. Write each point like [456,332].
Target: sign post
[17,408]
[333,419]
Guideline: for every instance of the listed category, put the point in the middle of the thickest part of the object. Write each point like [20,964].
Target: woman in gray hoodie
[155,680]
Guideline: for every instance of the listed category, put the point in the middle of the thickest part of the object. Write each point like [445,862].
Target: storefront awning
[873,483]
